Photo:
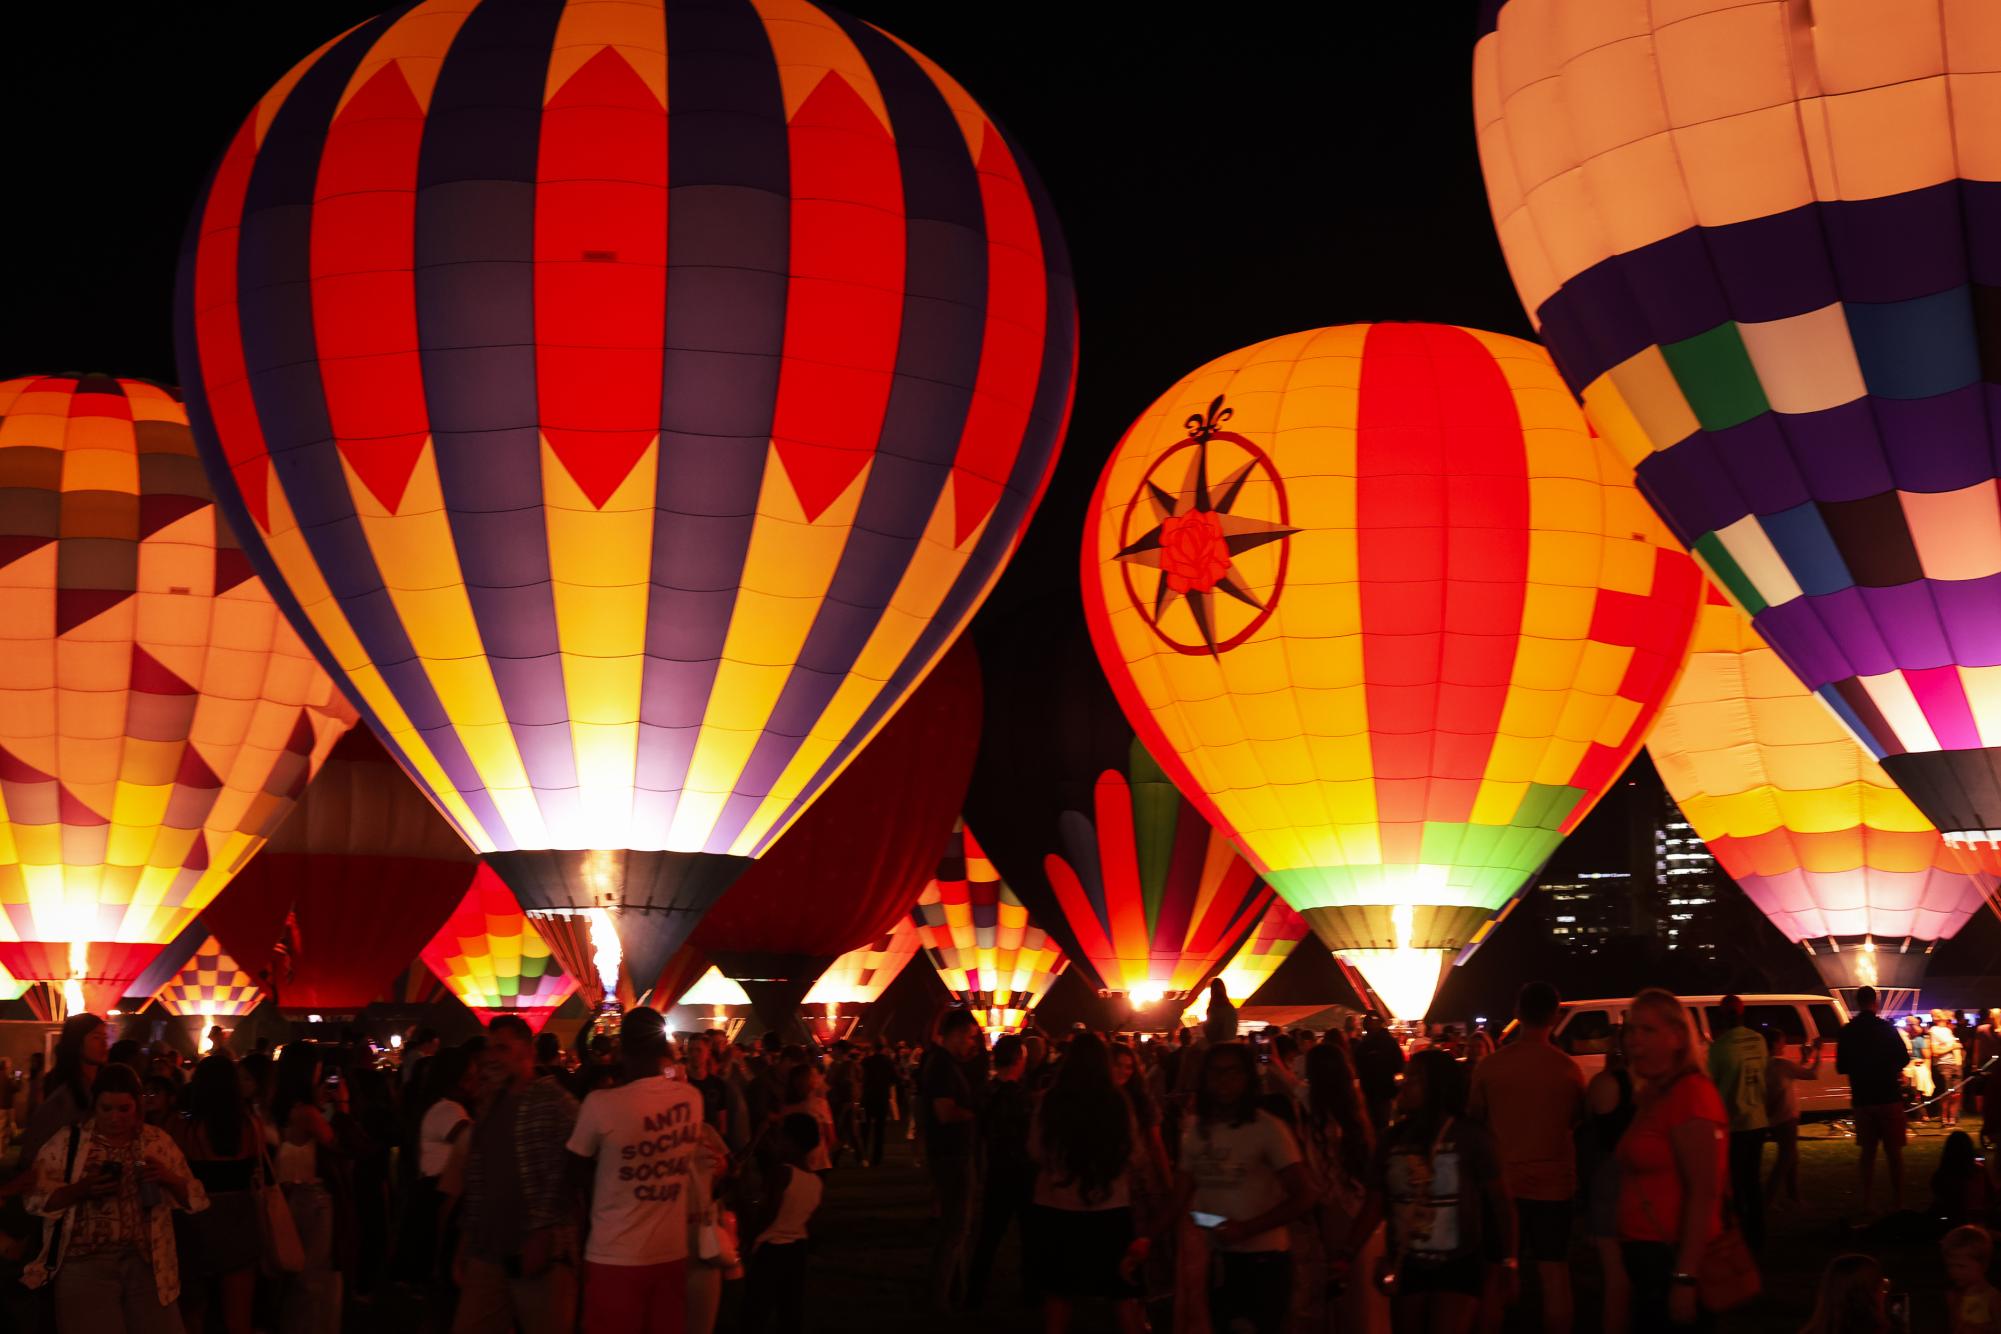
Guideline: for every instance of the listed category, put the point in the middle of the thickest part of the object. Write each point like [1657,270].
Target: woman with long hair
[82,1048]
[1436,1178]
[311,1301]
[1850,1300]
[224,1143]
[107,1187]
[1671,1170]
[1339,1145]
[1079,1237]
[1241,1170]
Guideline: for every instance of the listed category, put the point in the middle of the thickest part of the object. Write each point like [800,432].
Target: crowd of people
[1282,1182]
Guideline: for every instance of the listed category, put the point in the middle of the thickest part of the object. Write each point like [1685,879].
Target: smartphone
[110,1171]
[1206,1220]
[1898,1311]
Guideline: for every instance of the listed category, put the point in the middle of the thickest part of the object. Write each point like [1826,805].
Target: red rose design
[1193,554]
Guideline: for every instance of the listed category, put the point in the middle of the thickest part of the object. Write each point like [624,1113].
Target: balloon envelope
[1378,600]
[210,984]
[1759,241]
[977,933]
[493,959]
[849,868]
[157,714]
[633,401]
[860,976]
[349,888]
[1800,816]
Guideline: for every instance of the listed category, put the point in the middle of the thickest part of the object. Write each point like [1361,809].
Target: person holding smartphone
[108,1188]
[1241,1167]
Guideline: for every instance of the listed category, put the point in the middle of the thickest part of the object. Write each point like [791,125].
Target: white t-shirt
[1236,1171]
[795,1207]
[434,1148]
[643,1135]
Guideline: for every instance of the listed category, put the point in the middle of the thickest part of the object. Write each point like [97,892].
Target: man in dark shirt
[878,1084]
[946,1107]
[1378,1062]
[1872,1053]
[1009,1181]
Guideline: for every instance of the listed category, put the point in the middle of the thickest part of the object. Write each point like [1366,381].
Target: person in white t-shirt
[1242,1165]
[634,1145]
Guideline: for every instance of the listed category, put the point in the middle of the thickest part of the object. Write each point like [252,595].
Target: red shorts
[635,1299]
[1881,1124]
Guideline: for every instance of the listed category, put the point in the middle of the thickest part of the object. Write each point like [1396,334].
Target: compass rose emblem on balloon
[1206,537]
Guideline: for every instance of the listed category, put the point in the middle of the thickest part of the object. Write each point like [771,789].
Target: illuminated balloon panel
[1381,603]
[625,567]
[348,890]
[1800,815]
[210,985]
[157,714]
[493,959]
[1758,241]
[1278,932]
[849,868]
[978,935]
[860,976]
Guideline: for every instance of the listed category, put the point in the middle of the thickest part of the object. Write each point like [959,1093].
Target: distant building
[1656,881]
[1584,909]
[1687,884]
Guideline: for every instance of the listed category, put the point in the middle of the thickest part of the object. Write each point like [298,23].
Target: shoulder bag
[278,1245]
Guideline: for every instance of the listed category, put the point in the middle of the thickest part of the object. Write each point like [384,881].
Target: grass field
[872,1243]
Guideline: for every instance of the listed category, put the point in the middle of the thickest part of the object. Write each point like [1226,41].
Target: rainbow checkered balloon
[492,958]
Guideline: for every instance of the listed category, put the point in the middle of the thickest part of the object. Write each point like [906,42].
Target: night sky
[1220,181]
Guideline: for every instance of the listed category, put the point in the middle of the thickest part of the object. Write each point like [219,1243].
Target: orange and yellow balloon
[978,935]
[1801,816]
[860,976]
[157,715]
[211,985]
[1378,600]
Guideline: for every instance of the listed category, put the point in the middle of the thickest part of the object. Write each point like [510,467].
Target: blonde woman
[1671,1166]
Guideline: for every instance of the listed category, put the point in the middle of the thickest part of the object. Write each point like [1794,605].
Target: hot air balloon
[623,568]
[494,960]
[157,714]
[348,890]
[1383,607]
[860,976]
[849,868]
[1801,817]
[1278,933]
[856,980]
[1136,885]
[210,986]
[978,935]
[1750,236]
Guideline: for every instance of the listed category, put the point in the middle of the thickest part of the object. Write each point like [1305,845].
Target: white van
[1584,1029]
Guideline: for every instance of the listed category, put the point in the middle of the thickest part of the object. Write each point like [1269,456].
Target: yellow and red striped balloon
[1377,599]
